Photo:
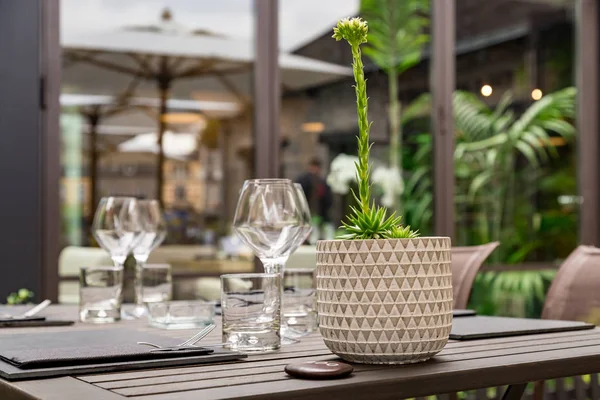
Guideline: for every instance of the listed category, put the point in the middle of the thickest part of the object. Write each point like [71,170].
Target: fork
[188,343]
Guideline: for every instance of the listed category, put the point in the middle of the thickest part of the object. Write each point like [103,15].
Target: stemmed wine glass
[288,335]
[305,209]
[152,233]
[116,227]
[269,219]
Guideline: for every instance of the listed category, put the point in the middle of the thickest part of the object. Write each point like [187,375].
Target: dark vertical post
[93,117]
[50,152]
[29,146]
[164,87]
[266,90]
[224,144]
[266,93]
[532,60]
[587,119]
[442,88]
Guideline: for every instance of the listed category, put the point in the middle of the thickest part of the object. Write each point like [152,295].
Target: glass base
[251,340]
[138,312]
[298,323]
[99,316]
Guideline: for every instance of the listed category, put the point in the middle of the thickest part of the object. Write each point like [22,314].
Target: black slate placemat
[494,327]
[77,356]
[34,322]
[33,344]
[463,313]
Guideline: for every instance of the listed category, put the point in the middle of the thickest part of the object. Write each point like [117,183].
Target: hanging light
[536,94]
[313,127]
[486,90]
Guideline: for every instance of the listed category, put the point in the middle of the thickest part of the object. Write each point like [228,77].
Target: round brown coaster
[319,370]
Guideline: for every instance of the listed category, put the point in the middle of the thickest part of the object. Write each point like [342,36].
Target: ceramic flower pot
[386,301]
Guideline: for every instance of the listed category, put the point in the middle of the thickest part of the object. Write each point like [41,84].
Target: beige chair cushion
[303,257]
[71,259]
[167,254]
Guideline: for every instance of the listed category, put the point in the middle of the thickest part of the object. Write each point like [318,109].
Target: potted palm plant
[384,294]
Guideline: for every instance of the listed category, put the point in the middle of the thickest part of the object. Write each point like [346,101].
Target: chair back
[574,294]
[466,262]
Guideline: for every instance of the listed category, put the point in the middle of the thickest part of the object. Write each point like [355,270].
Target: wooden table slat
[451,348]
[65,388]
[183,375]
[250,376]
[170,372]
[395,383]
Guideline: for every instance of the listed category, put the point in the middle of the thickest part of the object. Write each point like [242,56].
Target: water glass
[191,314]
[154,283]
[100,294]
[251,308]
[299,316]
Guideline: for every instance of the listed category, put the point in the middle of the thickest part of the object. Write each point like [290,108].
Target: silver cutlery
[188,343]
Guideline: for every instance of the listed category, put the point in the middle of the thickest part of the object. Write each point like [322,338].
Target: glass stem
[139,265]
[274,265]
[119,261]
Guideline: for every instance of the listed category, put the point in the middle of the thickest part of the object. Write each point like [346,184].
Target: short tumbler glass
[153,283]
[251,308]
[299,316]
[100,294]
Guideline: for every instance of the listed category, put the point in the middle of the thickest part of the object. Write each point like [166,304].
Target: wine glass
[269,220]
[153,229]
[305,209]
[152,234]
[116,227]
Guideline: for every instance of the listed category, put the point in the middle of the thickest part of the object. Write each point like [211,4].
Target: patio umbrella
[98,108]
[175,145]
[165,53]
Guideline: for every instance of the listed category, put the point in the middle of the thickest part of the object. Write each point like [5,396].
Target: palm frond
[397,32]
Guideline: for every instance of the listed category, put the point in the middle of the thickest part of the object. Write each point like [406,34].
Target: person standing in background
[318,193]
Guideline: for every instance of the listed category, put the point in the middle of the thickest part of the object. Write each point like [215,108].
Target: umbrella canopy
[209,63]
[175,145]
[163,54]
[211,109]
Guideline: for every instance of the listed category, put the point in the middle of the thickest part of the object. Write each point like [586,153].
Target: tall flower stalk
[366,221]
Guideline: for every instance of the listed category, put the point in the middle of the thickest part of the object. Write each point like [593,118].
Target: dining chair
[466,262]
[574,294]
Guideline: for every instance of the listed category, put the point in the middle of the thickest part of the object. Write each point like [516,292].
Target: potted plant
[384,294]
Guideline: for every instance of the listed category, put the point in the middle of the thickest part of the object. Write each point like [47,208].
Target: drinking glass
[251,309]
[116,227]
[305,210]
[153,230]
[299,316]
[156,283]
[269,220]
[100,294]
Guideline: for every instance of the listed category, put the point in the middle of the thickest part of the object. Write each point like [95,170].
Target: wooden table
[460,366]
